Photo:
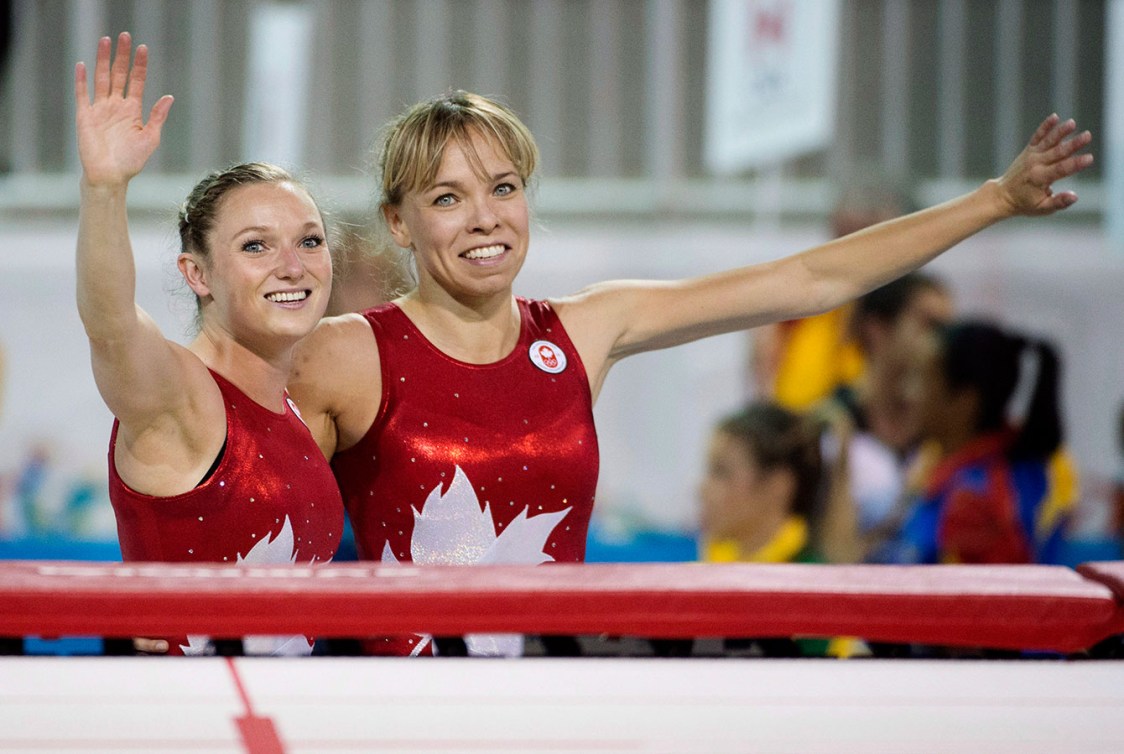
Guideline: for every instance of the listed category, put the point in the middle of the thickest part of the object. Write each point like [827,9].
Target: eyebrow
[457,184]
[266,229]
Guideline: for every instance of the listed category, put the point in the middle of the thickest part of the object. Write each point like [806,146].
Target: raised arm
[152,385]
[612,320]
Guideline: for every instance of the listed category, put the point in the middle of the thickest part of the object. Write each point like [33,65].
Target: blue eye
[254,247]
[445,200]
[312,242]
[504,189]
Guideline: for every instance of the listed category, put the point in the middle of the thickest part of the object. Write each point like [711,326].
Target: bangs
[415,144]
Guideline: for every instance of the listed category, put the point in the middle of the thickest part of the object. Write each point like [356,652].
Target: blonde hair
[414,143]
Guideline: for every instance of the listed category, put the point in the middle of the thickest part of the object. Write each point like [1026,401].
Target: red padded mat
[1015,607]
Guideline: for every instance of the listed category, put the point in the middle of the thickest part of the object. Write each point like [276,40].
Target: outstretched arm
[612,320]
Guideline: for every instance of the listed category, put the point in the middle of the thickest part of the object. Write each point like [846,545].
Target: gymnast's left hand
[114,142]
[1053,153]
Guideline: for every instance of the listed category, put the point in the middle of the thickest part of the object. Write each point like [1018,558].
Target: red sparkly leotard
[271,499]
[474,463]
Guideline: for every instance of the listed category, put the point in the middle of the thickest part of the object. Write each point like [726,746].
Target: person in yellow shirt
[760,488]
[760,499]
[800,362]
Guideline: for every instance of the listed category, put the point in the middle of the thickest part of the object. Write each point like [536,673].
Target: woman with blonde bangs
[208,459]
[459,416]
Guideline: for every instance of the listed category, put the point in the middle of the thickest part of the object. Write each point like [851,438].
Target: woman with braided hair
[989,404]
[208,459]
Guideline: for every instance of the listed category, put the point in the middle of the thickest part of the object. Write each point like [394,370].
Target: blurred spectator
[761,486]
[990,406]
[760,501]
[368,271]
[874,420]
[800,362]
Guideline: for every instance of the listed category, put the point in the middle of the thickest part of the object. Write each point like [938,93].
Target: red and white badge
[547,356]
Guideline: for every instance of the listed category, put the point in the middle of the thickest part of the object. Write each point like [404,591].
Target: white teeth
[282,297]
[485,253]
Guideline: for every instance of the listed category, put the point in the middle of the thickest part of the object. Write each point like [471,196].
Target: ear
[194,273]
[397,226]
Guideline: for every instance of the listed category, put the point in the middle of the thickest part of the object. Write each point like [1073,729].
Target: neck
[262,377]
[478,332]
[761,530]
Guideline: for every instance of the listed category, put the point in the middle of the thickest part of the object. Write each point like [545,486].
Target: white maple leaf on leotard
[268,550]
[452,529]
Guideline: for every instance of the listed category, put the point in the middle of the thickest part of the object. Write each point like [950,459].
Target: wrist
[994,201]
[101,189]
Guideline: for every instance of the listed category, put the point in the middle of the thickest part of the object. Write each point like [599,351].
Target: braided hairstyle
[199,211]
[981,357]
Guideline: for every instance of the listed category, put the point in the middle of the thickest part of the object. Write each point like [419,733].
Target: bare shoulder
[597,306]
[330,335]
[604,314]
[595,319]
[336,380]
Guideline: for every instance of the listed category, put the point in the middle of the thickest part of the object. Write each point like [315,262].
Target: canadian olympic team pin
[547,356]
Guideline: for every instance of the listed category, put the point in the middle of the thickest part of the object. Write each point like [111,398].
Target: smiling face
[267,272]
[468,228]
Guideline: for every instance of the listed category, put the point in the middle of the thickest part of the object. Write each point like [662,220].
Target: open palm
[114,142]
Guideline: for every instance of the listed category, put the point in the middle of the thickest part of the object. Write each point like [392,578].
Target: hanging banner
[771,80]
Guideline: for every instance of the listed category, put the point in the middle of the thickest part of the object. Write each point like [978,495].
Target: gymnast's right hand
[114,142]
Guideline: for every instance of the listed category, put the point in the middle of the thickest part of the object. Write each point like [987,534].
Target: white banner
[771,80]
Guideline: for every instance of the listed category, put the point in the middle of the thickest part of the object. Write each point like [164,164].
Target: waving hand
[114,142]
[1051,155]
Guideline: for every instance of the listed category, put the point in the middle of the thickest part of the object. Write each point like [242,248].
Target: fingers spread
[1056,134]
[138,74]
[120,64]
[81,94]
[101,69]
[1043,129]
[1070,166]
[159,112]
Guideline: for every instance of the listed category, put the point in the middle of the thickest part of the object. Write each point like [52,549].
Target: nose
[290,266]
[484,218]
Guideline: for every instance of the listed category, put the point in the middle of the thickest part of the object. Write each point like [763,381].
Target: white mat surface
[558,706]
